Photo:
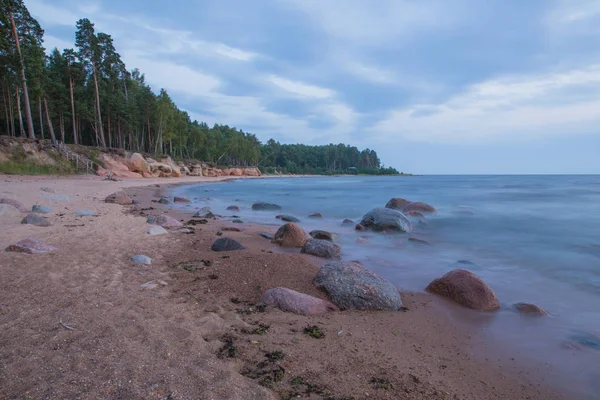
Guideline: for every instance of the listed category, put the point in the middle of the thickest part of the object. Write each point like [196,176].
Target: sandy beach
[86,322]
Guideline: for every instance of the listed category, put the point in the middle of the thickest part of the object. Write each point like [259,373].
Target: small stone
[141,259]
[35,219]
[226,244]
[47,189]
[178,199]
[204,212]
[322,248]
[233,229]
[41,209]
[153,284]
[164,220]
[237,221]
[164,200]
[287,218]
[233,208]
[528,308]
[265,235]
[465,288]
[295,302]
[156,230]
[31,246]
[347,222]
[290,235]
[323,235]
[85,213]
[360,228]
[315,215]
[119,198]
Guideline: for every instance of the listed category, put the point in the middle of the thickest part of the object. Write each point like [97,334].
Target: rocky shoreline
[125,307]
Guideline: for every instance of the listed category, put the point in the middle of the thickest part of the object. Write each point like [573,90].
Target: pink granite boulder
[295,302]
[31,246]
[465,288]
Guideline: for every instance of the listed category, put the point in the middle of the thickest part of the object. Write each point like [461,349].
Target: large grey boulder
[352,286]
[380,219]
[35,219]
[322,248]
[295,302]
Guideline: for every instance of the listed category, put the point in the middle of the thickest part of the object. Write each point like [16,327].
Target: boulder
[251,172]
[141,259]
[15,203]
[31,246]
[137,163]
[322,248]
[295,302]
[465,288]
[115,165]
[530,309]
[178,199]
[164,221]
[35,219]
[413,213]
[351,286]
[156,230]
[380,219]
[119,198]
[315,215]
[262,206]
[196,170]
[419,206]
[41,209]
[175,169]
[233,208]
[322,235]
[290,235]
[9,211]
[204,212]
[226,244]
[397,203]
[287,218]
[164,200]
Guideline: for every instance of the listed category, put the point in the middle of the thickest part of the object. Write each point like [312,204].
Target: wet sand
[79,324]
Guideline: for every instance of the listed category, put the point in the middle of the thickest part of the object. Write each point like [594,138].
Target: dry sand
[78,323]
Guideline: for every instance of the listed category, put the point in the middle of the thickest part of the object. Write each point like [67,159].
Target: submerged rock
[119,198]
[347,222]
[233,208]
[164,220]
[295,302]
[419,241]
[416,214]
[15,203]
[178,199]
[141,259]
[361,228]
[226,244]
[420,207]
[380,219]
[164,200]
[156,230]
[353,287]
[41,209]
[323,235]
[465,288]
[237,221]
[35,219]
[31,246]
[287,218]
[397,203]
[322,248]
[262,206]
[528,308]
[315,215]
[290,235]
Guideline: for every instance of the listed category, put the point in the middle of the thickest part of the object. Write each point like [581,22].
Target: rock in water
[287,218]
[9,211]
[419,206]
[347,222]
[295,302]
[322,248]
[119,198]
[164,220]
[178,199]
[204,212]
[265,235]
[323,235]
[141,259]
[31,246]
[226,244]
[528,308]
[360,228]
[237,221]
[380,219]
[290,235]
[465,288]
[233,208]
[353,287]
[15,203]
[315,215]
[397,203]
[164,200]
[41,209]
[35,219]
[85,213]
[156,230]
[262,206]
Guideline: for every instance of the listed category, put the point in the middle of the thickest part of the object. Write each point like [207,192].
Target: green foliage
[20,164]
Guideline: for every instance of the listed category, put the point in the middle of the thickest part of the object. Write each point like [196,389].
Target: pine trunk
[73,111]
[110,144]
[5,101]
[11,112]
[21,128]
[62,127]
[100,130]
[23,79]
[41,119]
[50,128]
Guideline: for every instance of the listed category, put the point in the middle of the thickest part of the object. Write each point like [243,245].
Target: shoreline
[420,353]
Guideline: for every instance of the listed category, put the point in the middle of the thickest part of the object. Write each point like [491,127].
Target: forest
[86,95]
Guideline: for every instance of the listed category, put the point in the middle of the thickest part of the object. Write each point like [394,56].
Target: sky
[434,86]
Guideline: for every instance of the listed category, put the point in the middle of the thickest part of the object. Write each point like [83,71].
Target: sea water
[533,239]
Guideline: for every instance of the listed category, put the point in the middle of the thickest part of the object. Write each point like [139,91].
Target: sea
[533,239]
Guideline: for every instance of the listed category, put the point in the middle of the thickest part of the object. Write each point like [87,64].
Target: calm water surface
[532,238]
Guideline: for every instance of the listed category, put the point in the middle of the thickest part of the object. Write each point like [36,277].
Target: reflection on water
[532,238]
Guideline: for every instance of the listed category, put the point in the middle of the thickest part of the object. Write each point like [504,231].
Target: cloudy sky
[435,86]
